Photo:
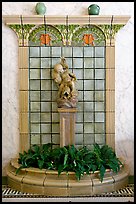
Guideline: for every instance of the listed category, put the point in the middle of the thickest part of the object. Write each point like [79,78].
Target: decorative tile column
[67,126]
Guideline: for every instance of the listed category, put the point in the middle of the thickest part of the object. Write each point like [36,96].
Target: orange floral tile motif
[45,39]
[88,39]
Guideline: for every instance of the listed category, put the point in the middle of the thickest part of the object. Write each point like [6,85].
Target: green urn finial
[93,9]
[40,8]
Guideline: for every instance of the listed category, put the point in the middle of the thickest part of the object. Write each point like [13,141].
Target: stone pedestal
[67,126]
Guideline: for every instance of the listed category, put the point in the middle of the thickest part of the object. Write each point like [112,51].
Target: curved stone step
[48,183]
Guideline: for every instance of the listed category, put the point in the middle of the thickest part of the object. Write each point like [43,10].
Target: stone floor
[123,195]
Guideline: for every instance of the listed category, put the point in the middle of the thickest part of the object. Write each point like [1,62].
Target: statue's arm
[72,75]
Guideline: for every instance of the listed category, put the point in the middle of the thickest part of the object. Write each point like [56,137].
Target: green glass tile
[45,96]
[55,145]
[99,127]
[56,138]
[80,95]
[45,117]
[99,84]
[54,86]
[67,51]
[34,52]
[78,146]
[35,139]
[34,117]
[45,63]
[99,117]
[45,106]
[55,117]
[88,139]
[100,138]
[79,139]
[79,128]
[55,128]
[79,117]
[88,74]
[80,106]
[77,51]
[46,138]
[34,95]
[88,63]
[34,62]
[99,74]
[34,73]
[35,128]
[35,106]
[89,127]
[88,106]
[45,74]
[99,51]
[69,62]
[99,106]
[88,95]
[45,128]
[77,63]
[34,84]
[99,62]
[45,51]
[54,106]
[90,146]
[46,85]
[99,95]
[54,95]
[55,61]
[79,84]
[78,73]
[89,85]
[89,117]
[88,51]
[56,51]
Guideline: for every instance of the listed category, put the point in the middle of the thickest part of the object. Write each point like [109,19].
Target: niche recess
[92,61]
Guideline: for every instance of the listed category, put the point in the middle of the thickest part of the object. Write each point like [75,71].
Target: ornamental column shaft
[67,126]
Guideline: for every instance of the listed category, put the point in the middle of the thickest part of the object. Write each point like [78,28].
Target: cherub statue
[65,80]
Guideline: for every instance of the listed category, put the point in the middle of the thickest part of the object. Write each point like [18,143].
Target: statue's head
[63,63]
[63,60]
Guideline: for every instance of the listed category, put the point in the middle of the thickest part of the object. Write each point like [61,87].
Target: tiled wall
[88,64]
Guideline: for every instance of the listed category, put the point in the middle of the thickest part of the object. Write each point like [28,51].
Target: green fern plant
[69,158]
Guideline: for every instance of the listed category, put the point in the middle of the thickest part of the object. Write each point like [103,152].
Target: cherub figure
[65,80]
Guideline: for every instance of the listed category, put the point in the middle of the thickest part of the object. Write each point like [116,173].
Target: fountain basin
[48,183]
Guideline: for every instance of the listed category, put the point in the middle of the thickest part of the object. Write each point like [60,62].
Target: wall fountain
[58,50]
